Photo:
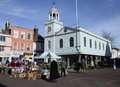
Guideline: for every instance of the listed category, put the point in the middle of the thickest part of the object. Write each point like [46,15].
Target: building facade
[38,45]
[5,47]
[74,44]
[21,41]
[116,56]
[115,53]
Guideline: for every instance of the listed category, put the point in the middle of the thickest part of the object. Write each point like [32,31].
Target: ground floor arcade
[99,61]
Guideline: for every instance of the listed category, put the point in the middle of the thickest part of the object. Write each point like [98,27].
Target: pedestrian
[92,64]
[114,64]
[63,69]
[83,65]
[54,74]
[7,62]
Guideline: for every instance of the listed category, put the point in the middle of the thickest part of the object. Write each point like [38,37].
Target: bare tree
[109,36]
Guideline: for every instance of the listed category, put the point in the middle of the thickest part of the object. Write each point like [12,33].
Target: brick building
[21,41]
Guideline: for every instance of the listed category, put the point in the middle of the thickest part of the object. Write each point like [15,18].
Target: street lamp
[77,25]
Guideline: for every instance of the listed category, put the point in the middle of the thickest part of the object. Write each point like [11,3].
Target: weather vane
[54,3]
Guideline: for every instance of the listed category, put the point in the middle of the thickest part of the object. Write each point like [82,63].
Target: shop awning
[47,55]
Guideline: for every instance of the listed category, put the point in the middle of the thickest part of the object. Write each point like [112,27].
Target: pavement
[89,78]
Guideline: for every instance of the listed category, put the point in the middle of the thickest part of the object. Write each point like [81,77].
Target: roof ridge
[17,26]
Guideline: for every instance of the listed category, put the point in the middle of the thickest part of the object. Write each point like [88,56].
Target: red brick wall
[19,41]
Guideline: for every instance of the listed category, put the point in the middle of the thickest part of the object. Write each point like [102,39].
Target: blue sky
[94,15]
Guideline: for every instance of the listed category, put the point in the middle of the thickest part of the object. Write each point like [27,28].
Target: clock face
[49,29]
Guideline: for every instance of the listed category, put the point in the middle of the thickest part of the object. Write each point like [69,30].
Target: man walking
[63,70]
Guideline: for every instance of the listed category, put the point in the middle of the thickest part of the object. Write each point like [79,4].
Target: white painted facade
[55,30]
[115,53]
[5,47]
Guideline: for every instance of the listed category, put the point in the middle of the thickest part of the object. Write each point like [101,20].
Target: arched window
[103,46]
[90,43]
[99,46]
[54,15]
[95,45]
[61,43]
[84,41]
[49,44]
[71,41]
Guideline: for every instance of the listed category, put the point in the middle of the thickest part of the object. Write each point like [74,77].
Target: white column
[52,15]
[68,62]
[49,17]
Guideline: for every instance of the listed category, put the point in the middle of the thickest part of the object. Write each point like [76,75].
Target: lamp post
[77,25]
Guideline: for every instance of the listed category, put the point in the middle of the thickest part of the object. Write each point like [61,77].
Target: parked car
[45,73]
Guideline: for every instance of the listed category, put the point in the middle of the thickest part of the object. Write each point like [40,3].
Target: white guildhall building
[74,44]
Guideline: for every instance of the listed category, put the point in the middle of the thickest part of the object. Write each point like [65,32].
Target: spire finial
[53,3]
[7,19]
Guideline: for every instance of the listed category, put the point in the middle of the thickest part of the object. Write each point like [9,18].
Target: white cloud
[11,7]
[4,2]
[23,13]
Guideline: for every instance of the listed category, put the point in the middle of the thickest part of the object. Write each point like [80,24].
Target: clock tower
[53,23]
